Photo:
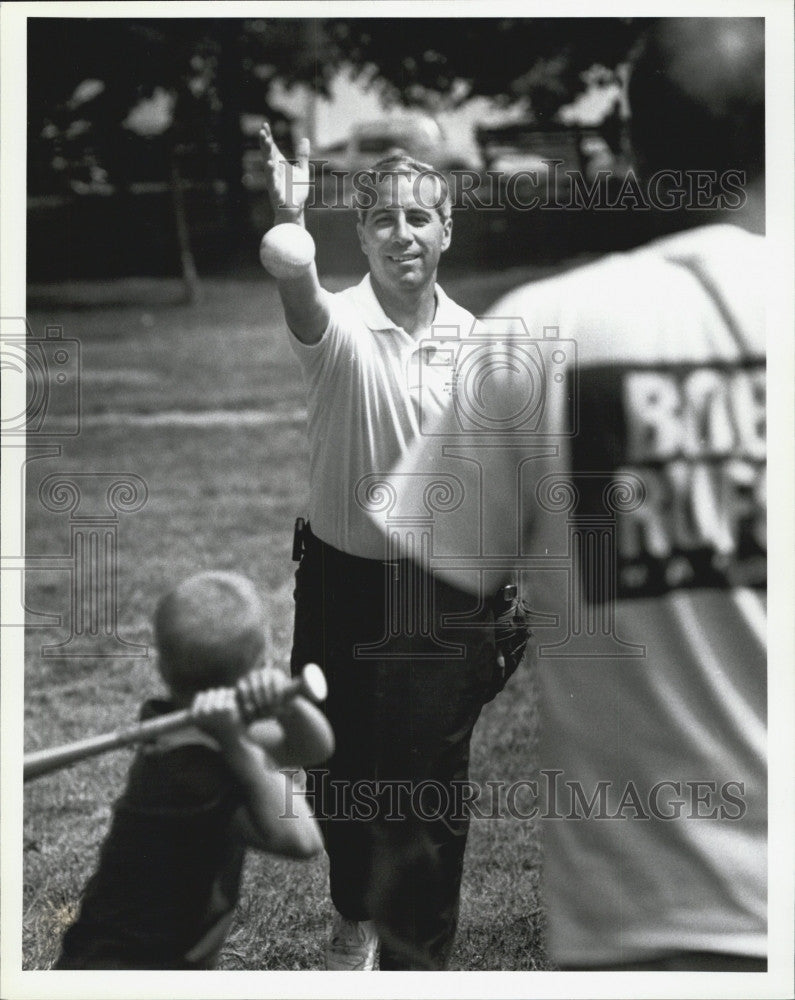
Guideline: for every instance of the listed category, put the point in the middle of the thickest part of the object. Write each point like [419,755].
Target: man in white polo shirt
[405,687]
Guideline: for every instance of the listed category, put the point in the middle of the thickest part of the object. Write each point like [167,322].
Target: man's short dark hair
[402,163]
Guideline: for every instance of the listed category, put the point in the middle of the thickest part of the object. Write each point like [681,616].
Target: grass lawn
[205,404]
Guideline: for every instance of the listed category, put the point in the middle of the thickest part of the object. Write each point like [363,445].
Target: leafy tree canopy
[86,75]
[213,69]
[537,60]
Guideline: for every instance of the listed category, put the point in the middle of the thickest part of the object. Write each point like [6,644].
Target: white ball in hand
[287,250]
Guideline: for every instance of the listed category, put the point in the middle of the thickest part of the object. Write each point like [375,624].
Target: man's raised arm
[304,300]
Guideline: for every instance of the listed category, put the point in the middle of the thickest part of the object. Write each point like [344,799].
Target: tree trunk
[232,141]
[190,277]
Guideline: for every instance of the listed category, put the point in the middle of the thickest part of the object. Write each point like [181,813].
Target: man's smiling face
[403,235]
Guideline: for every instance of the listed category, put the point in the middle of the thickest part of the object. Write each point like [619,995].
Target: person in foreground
[166,886]
[640,519]
[405,686]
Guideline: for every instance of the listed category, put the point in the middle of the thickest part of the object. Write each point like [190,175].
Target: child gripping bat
[166,885]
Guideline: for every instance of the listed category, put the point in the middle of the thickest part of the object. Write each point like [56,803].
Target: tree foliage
[90,129]
[214,70]
[540,61]
[88,77]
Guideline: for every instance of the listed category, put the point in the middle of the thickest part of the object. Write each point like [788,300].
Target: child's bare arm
[274,818]
[291,830]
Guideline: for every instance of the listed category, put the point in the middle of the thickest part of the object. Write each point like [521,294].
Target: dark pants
[403,711]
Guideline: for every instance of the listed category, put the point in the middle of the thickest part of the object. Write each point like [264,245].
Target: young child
[165,890]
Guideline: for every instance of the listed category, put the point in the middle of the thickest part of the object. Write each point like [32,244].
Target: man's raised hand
[288,184]
[305,303]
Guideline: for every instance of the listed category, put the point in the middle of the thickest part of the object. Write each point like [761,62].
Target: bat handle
[310,684]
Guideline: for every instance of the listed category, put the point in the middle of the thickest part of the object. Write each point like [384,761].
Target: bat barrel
[43,761]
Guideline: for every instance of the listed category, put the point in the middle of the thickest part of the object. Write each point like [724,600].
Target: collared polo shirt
[370,386]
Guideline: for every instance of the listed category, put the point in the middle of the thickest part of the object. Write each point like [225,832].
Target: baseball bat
[310,684]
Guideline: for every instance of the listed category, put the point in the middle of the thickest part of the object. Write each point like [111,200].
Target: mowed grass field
[206,405]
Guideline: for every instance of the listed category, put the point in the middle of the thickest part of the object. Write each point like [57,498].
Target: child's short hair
[209,632]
